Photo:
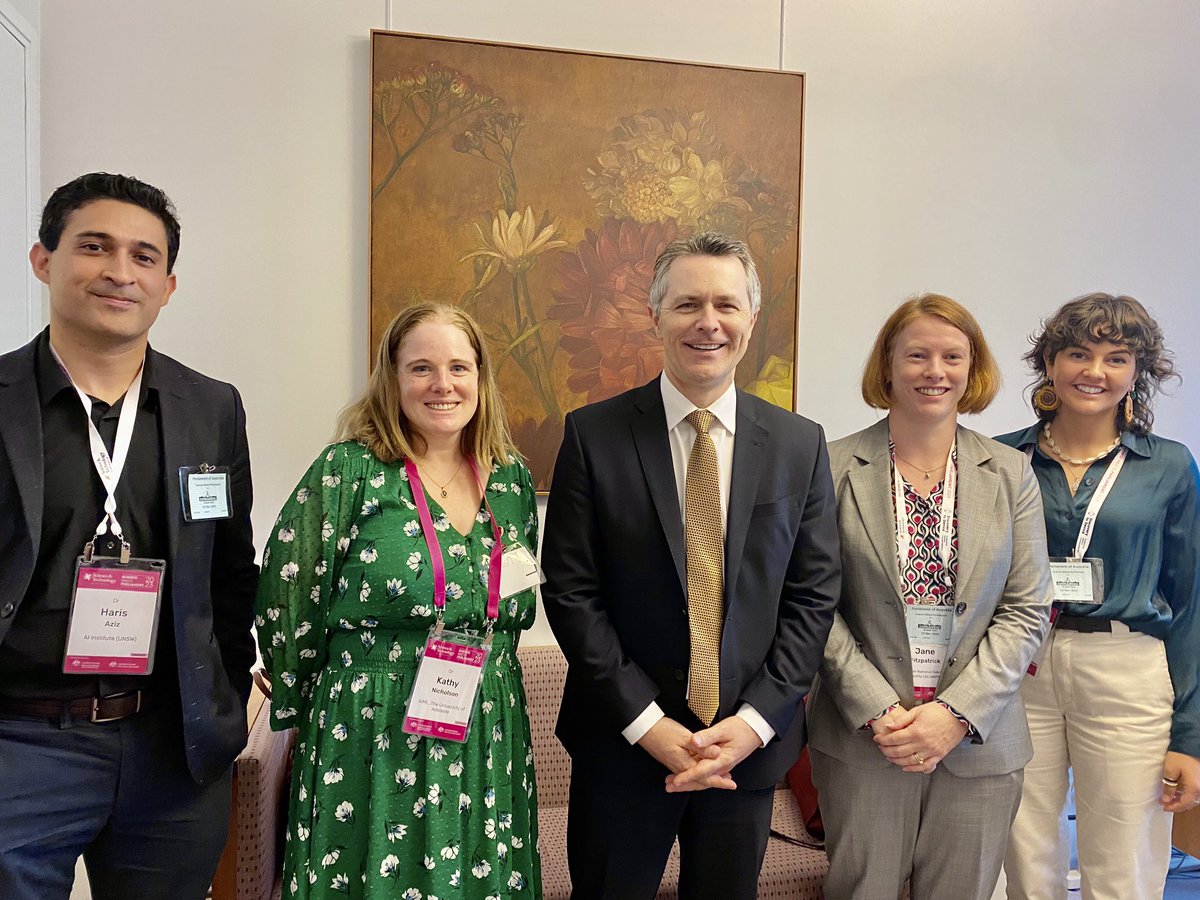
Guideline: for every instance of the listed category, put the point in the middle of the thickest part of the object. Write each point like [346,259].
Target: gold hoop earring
[1045,399]
[1129,409]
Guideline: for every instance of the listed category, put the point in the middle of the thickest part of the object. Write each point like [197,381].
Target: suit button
[960,609]
[6,610]
[953,660]
[679,675]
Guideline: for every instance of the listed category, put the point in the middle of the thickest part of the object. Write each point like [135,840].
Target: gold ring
[919,758]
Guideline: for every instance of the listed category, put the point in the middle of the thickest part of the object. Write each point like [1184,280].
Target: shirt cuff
[873,720]
[972,733]
[751,717]
[636,730]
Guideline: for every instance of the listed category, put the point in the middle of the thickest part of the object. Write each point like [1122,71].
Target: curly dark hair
[1120,319]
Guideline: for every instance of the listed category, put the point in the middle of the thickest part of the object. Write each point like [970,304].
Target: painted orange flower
[600,304]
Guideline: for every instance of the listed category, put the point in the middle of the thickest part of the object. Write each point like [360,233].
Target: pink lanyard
[435,548]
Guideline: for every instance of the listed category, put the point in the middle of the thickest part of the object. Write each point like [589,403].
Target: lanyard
[1088,525]
[435,548]
[109,468]
[946,519]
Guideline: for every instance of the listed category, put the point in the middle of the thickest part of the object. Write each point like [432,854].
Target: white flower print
[441,523]
[368,639]
[343,544]
[454,591]
[457,551]
[301,831]
[505,821]
[370,508]
[331,857]
[347,661]
[289,572]
[367,712]
[382,740]
[497,732]
[303,628]
[412,742]
[419,808]
[320,568]
[344,811]
[377,480]
[388,867]
[308,653]
[395,588]
[481,869]
[277,639]
[285,712]
[412,528]
[517,842]
[429,864]
[303,794]
[450,851]
[369,554]
[486,706]
[456,879]
[345,624]
[435,795]
[331,480]
[512,533]
[515,488]
[413,894]
[482,516]
[340,732]
[501,851]
[358,682]
[329,456]
[395,831]
[516,881]
[456,768]
[333,776]
[499,487]
[286,535]
[335,690]
[489,828]
[302,495]
[395,651]
[353,532]
[364,591]
[273,613]
[437,750]
[421,611]
[321,716]
[489,797]
[406,778]
[340,883]
[326,529]
[414,561]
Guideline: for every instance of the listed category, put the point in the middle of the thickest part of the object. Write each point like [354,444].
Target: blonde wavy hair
[377,418]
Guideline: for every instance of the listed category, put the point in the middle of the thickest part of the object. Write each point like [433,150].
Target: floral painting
[536,187]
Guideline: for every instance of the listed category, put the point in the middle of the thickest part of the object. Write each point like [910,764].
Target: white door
[19,302]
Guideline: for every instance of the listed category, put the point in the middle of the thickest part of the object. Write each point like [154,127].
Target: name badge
[519,571]
[205,492]
[929,630]
[445,691]
[1077,580]
[114,616]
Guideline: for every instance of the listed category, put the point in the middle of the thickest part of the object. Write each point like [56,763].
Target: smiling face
[108,276]
[1092,379]
[439,381]
[931,367]
[705,324]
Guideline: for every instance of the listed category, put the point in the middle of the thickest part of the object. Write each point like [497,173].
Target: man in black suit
[98,756]
[681,714]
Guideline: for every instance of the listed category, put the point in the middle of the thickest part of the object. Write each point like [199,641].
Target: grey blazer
[1002,606]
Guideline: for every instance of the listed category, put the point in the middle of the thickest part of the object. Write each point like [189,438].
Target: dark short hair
[102,186]
[983,380]
[1118,319]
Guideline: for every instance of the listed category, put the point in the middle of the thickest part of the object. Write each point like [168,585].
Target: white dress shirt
[681,436]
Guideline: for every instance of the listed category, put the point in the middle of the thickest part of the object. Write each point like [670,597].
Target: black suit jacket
[616,572]
[210,564]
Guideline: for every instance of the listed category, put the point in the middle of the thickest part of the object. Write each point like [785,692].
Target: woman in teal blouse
[424,473]
[1115,697]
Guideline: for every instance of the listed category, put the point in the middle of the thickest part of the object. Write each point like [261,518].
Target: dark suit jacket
[615,562]
[210,564]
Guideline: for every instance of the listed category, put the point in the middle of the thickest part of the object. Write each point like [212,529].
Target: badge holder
[929,630]
[1075,580]
[205,492]
[115,604]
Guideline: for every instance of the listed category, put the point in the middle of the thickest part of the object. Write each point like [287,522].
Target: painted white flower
[277,639]
[419,808]
[303,794]
[512,533]
[441,523]
[347,661]
[358,682]
[370,508]
[517,842]
[395,588]
[413,894]
[340,883]
[501,850]
[421,611]
[457,551]
[486,706]
[333,776]
[488,761]
[303,628]
[429,864]
[331,857]
[289,572]
[412,528]
[395,651]
[497,732]
[481,869]
[377,480]
[414,561]
[285,712]
[368,639]
[482,516]
[343,544]
[435,794]
[456,768]
[273,613]
[489,828]
[326,529]
[412,742]
[354,531]
[395,831]
[286,534]
[335,690]
[406,778]
[369,554]
[308,653]
[499,487]
[302,495]
[364,591]
[454,591]
[437,750]
[505,821]
[344,811]
[312,876]
[345,624]
[456,879]
[388,867]
[450,851]
[488,543]
[340,732]
[320,568]
[321,717]
[301,831]
[382,740]
[516,881]
[489,797]
[332,480]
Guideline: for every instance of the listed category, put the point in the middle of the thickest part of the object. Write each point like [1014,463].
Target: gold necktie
[705,533]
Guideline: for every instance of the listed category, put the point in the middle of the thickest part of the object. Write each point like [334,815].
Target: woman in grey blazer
[916,728]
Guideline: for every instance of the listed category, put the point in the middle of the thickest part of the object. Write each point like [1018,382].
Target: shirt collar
[1136,443]
[52,380]
[677,407]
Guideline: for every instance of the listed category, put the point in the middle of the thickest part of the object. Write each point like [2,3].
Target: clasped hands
[918,739]
[702,759]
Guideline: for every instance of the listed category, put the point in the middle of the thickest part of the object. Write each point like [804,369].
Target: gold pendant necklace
[926,472]
[442,486]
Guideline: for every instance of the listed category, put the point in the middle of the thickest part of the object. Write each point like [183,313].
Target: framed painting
[535,188]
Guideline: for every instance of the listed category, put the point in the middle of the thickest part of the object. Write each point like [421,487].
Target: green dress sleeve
[300,566]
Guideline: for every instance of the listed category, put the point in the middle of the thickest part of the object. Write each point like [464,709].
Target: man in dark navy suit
[108,445]
[692,564]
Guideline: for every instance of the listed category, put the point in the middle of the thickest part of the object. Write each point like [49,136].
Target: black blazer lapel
[749,454]
[173,415]
[649,427]
[21,435]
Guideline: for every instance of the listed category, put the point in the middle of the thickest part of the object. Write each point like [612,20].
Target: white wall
[1011,154]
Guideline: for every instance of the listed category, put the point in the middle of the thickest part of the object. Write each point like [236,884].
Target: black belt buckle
[98,719]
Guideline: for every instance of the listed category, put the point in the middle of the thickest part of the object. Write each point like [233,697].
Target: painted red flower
[604,286]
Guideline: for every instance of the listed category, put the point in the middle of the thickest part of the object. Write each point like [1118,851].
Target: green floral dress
[344,608]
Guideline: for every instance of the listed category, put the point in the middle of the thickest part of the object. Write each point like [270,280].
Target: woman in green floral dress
[345,607]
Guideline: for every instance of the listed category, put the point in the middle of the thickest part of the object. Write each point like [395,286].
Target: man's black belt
[112,708]
[1083,624]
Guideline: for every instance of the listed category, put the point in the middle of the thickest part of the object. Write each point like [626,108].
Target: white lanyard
[109,467]
[1086,527]
[945,523]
